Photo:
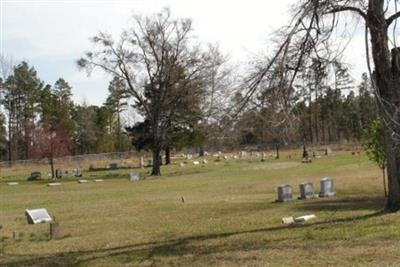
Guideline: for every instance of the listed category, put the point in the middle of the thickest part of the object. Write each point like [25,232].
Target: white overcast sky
[52,35]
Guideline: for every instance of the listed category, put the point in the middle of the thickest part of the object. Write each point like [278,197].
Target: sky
[51,35]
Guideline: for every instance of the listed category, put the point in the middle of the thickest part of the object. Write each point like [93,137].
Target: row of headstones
[285,192]
[37,175]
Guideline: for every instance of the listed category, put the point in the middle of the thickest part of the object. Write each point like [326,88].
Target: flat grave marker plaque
[36,216]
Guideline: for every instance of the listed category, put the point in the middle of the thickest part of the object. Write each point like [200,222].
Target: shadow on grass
[150,251]
[343,204]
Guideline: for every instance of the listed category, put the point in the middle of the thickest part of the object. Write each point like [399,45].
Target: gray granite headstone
[113,166]
[306,190]
[285,193]
[327,189]
[58,173]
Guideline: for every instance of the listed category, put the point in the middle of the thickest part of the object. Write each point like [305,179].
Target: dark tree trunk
[167,155]
[156,169]
[387,78]
[277,150]
[384,181]
[52,167]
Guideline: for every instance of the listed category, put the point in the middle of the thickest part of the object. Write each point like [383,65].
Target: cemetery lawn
[228,218]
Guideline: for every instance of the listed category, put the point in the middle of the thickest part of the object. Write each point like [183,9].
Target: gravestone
[36,216]
[98,180]
[327,189]
[134,177]
[82,181]
[306,190]
[34,176]
[78,172]
[263,155]
[58,174]
[284,193]
[205,161]
[182,164]
[13,183]
[113,166]
[196,162]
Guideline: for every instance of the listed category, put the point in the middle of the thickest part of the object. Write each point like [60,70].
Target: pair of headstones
[285,192]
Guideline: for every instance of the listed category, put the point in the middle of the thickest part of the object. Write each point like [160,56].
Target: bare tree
[309,33]
[161,66]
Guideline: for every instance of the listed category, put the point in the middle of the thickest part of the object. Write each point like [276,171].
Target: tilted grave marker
[36,216]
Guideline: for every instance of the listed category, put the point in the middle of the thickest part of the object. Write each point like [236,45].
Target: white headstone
[98,180]
[205,161]
[82,181]
[182,164]
[13,183]
[134,177]
[196,162]
[36,216]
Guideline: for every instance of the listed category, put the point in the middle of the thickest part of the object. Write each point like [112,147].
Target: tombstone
[306,190]
[196,162]
[205,153]
[284,193]
[36,216]
[34,176]
[134,177]
[182,164]
[78,172]
[189,156]
[242,154]
[58,174]
[263,156]
[98,180]
[83,181]
[327,189]
[13,183]
[205,161]
[328,151]
[113,166]
[225,158]
[91,167]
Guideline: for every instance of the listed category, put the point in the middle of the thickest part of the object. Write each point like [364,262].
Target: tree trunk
[52,167]
[156,169]
[277,151]
[384,180]
[167,155]
[386,78]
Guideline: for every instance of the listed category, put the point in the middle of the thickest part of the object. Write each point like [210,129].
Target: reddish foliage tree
[47,143]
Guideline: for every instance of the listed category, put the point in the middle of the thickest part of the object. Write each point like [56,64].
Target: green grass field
[229,218]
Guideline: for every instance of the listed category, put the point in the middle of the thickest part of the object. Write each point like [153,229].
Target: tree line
[188,95]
